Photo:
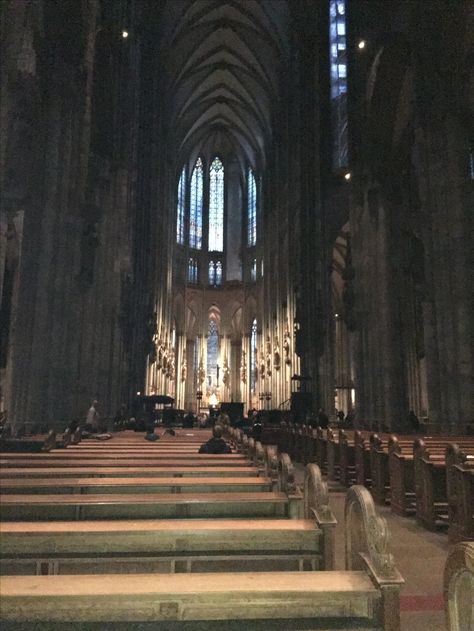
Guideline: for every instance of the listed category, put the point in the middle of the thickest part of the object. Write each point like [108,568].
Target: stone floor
[419,555]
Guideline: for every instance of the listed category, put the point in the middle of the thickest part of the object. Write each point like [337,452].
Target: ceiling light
[361,44]
[124,34]
[347,176]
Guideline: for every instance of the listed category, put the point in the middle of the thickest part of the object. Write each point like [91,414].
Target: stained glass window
[218,273]
[251,209]
[338,61]
[215,273]
[181,208]
[253,347]
[195,207]
[212,351]
[212,273]
[216,206]
[192,271]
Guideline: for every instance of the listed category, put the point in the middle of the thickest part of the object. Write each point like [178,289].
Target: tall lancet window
[216,206]
[181,208]
[253,347]
[338,61]
[251,209]
[192,271]
[195,207]
[212,352]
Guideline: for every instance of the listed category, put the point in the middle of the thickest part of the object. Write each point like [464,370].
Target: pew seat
[103,472]
[33,445]
[135,485]
[162,546]
[162,599]
[196,460]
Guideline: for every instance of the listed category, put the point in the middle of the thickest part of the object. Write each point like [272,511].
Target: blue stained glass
[215,273]
[251,209]
[216,206]
[180,208]
[212,351]
[253,346]
[192,271]
[337,55]
[212,272]
[195,207]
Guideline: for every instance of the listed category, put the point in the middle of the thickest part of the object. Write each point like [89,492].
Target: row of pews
[429,477]
[135,535]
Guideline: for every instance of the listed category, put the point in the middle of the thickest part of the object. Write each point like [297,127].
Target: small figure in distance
[216,444]
[92,418]
[413,422]
[188,420]
[323,419]
[340,417]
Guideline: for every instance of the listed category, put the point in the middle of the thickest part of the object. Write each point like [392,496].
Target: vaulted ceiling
[222,60]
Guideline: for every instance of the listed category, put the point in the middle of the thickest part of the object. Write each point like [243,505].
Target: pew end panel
[367,548]
[458,587]
[287,485]
[316,506]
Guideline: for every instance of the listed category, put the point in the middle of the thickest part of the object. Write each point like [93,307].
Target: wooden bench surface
[207,596]
[67,528]
[139,484]
[105,455]
[208,461]
[60,472]
[171,537]
[149,498]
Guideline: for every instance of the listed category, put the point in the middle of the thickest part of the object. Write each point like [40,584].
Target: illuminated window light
[361,45]
[124,34]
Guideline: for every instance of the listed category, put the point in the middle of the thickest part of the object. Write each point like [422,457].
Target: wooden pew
[460,493]
[418,477]
[402,476]
[458,587]
[93,471]
[286,502]
[362,462]
[365,595]
[347,468]
[176,546]
[332,448]
[321,450]
[116,456]
[197,460]
[33,445]
[134,485]
[431,479]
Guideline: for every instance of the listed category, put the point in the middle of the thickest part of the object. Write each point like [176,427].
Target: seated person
[216,444]
[188,420]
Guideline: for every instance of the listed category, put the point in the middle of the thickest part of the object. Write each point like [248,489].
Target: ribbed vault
[222,61]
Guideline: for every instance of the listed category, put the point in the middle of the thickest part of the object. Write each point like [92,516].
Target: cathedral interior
[255,201]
